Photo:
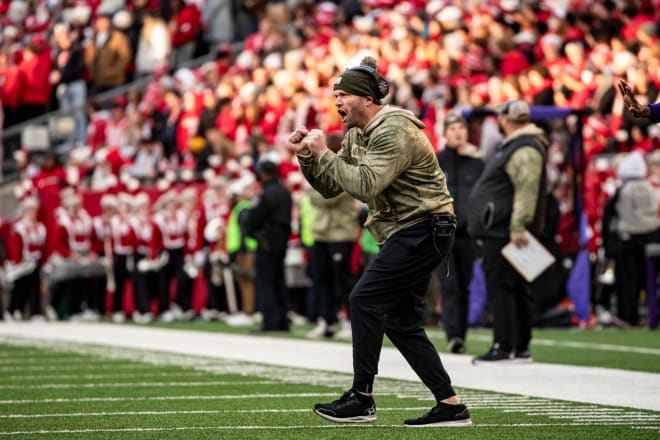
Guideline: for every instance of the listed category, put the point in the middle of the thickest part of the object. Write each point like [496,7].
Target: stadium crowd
[186,147]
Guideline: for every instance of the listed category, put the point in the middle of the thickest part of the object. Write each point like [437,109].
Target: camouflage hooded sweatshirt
[391,166]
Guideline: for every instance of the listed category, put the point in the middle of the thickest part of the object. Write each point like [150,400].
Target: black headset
[379,85]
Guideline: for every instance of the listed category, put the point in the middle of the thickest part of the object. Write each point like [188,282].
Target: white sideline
[603,386]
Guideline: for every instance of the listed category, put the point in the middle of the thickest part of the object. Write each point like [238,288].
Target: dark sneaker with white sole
[456,346]
[349,408]
[522,357]
[441,415]
[493,356]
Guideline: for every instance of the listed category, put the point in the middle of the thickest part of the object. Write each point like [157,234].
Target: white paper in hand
[531,260]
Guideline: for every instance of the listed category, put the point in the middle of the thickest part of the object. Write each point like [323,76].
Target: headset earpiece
[379,85]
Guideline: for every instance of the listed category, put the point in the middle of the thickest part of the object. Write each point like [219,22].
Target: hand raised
[295,139]
[638,110]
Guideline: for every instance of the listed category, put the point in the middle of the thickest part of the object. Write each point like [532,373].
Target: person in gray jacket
[635,206]
[218,22]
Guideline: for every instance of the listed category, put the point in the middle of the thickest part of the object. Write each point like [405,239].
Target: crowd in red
[438,55]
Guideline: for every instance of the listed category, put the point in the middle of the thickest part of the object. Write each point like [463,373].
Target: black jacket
[491,199]
[74,68]
[461,172]
[269,220]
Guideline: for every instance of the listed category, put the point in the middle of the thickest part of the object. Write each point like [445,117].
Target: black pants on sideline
[390,299]
[333,277]
[71,296]
[216,295]
[455,288]
[509,297]
[174,269]
[121,273]
[145,287]
[26,291]
[630,275]
[272,294]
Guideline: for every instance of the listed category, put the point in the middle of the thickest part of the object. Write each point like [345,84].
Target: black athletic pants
[26,290]
[272,293]
[509,297]
[121,274]
[455,287]
[390,299]
[333,276]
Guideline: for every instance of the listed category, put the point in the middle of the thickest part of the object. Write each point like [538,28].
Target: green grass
[637,350]
[111,393]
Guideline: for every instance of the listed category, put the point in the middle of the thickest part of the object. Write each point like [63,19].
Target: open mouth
[342,115]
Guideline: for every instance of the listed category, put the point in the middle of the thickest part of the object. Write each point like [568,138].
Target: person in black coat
[462,166]
[269,222]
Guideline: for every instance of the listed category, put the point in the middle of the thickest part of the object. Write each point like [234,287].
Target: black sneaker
[522,357]
[443,414]
[348,409]
[456,346]
[495,354]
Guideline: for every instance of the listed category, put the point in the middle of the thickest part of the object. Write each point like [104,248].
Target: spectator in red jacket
[10,88]
[184,25]
[51,176]
[35,69]
[513,60]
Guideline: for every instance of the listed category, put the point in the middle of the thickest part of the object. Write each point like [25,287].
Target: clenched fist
[315,141]
[296,138]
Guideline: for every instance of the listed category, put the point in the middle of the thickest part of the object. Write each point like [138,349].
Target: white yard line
[49,376]
[201,411]
[127,366]
[163,398]
[286,428]
[566,344]
[601,386]
[139,384]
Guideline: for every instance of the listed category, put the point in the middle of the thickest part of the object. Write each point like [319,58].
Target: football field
[90,381]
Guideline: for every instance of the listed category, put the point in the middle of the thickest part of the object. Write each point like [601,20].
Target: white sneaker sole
[357,419]
[448,424]
[498,362]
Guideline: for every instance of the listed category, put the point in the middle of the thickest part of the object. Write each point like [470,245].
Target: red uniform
[172,228]
[123,236]
[100,233]
[27,241]
[73,234]
[146,237]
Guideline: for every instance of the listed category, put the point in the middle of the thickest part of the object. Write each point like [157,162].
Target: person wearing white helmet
[26,246]
[171,226]
[147,250]
[123,247]
[102,245]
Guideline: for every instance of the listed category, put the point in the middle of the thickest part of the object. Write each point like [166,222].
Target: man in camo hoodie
[387,161]
[508,199]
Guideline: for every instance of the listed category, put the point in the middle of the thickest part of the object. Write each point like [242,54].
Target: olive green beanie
[359,81]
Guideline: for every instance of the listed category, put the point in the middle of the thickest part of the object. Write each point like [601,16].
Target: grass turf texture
[636,350]
[69,391]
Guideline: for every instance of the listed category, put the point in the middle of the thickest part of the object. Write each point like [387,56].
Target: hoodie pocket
[488,215]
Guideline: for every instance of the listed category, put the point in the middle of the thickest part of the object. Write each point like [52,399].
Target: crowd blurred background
[224,82]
